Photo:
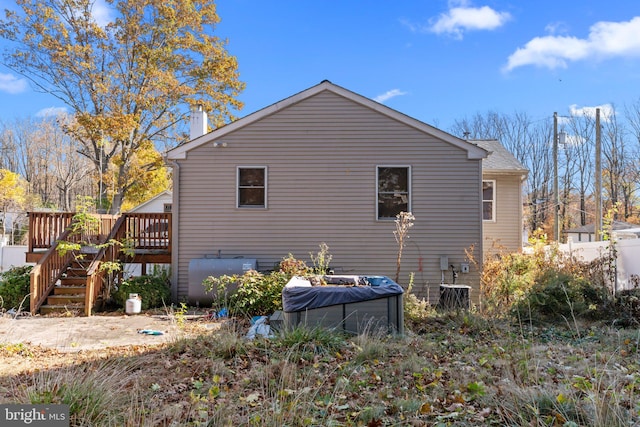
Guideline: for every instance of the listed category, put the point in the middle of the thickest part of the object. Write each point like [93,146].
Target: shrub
[416,310]
[153,290]
[558,294]
[15,287]
[252,294]
[291,266]
[546,283]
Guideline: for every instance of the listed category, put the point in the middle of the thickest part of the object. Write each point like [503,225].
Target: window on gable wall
[394,191]
[488,200]
[252,187]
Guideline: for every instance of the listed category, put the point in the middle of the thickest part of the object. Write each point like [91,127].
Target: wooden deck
[143,238]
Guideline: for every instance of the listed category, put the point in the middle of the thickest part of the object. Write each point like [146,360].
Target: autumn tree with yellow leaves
[128,79]
[14,198]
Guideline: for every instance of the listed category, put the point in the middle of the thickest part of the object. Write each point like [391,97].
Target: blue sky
[435,60]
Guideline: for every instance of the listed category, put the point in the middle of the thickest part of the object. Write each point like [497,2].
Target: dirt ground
[73,334]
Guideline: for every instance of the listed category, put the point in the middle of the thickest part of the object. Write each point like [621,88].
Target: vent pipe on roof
[198,122]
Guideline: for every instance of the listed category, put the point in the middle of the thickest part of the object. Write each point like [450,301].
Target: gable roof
[165,193]
[473,151]
[499,160]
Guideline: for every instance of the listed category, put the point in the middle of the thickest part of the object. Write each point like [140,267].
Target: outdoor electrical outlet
[464,267]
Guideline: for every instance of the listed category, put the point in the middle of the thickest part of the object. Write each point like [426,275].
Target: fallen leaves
[478,379]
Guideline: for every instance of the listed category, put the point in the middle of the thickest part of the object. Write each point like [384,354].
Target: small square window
[252,187]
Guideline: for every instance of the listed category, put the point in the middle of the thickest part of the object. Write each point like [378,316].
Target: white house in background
[586,233]
[157,204]
[160,203]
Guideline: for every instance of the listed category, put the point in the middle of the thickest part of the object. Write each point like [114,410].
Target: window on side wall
[488,200]
[394,191]
[252,187]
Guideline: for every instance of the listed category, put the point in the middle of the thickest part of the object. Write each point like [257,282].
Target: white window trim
[266,180]
[409,189]
[493,201]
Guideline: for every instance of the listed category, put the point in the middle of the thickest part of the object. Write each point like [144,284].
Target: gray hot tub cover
[299,295]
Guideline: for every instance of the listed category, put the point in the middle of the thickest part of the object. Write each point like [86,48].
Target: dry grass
[460,370]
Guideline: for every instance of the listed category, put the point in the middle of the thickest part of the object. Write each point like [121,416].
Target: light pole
[558,138]
[556,199]
[598,166]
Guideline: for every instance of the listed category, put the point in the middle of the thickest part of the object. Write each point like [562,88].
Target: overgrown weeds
[462,369]
[547,285]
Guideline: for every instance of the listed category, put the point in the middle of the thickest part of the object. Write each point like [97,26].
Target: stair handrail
[46,273]
[95,276]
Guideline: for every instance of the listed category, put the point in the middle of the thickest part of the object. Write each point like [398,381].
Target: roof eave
[474,152]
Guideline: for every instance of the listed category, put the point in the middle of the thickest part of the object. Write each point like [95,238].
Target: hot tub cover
[300,295]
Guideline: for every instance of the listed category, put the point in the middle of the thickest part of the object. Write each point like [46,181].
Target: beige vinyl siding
[505,233]
[321,156]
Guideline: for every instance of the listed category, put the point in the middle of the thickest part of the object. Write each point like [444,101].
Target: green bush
[153,290]
[546,284]
[252,294]
[560,295]
[14,287]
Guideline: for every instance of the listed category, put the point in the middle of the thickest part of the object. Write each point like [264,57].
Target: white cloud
[606,111]
[51,112]
[556,28]
[462,17]
[606,39]
[102,13]
[11,84]
[388,95]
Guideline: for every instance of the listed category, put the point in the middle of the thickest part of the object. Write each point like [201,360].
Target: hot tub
[354,304]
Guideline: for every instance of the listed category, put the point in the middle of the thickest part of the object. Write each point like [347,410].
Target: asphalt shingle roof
[499,159]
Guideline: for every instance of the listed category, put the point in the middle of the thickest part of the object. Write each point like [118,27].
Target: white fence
[12,256]
[628,257]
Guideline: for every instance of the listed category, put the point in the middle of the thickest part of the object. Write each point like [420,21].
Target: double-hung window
[252,187]
[488,200]
[393,191]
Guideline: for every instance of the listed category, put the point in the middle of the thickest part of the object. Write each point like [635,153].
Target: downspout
[175,220]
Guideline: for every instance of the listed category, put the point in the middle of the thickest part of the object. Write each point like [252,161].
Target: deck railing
[45,228]
[148,231]
[96,276]
[46,272]
[138,232]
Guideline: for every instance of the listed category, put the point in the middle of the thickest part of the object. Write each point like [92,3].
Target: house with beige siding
[327,165]
[502,180]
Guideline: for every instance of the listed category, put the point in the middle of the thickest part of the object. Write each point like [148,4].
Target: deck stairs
[69,293]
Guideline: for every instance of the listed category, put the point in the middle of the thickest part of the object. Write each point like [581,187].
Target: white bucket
[133,304]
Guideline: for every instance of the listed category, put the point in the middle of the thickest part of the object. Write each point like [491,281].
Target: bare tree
[47,158]
[614,151]
[529,141]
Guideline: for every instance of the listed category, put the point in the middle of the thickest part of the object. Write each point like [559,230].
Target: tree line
[531,142]
[125,80]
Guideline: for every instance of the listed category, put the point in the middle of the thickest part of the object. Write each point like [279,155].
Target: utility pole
[598,196]
[556,200]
